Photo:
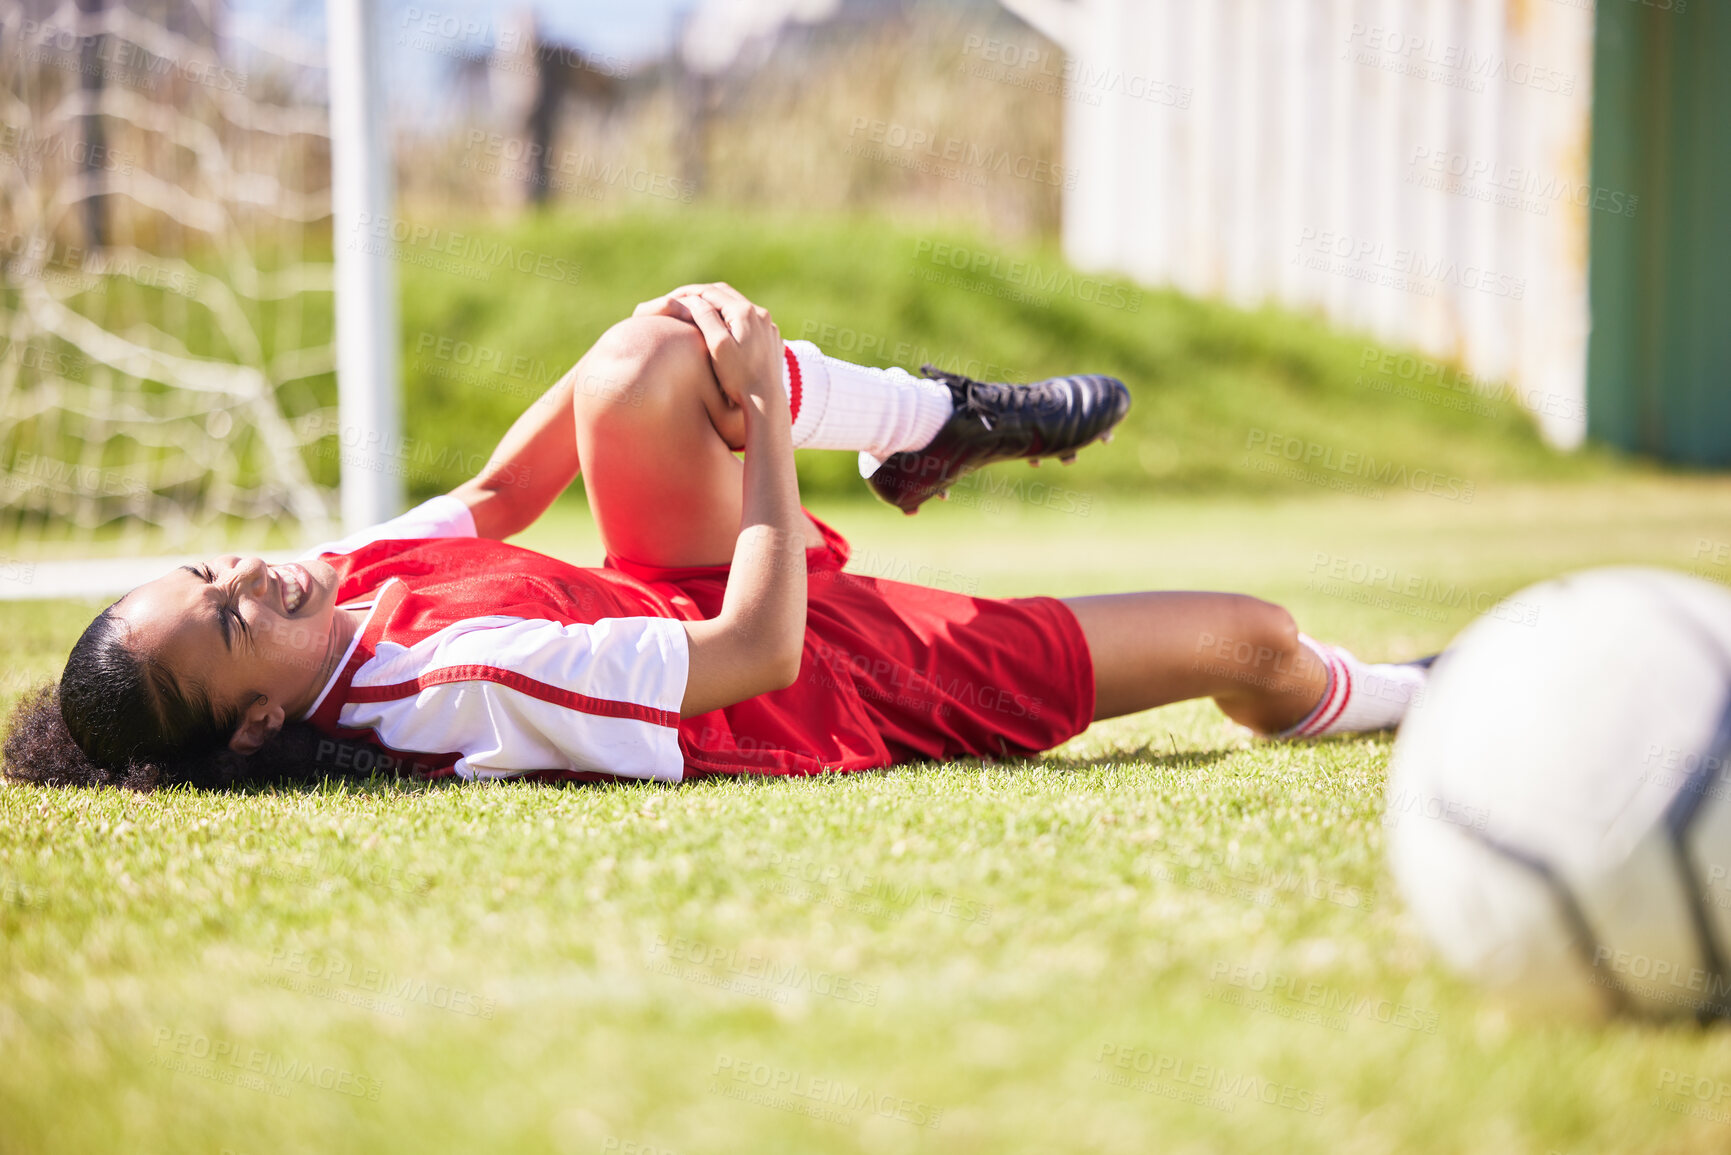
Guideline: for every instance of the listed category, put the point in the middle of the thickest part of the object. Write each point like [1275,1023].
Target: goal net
[166,311]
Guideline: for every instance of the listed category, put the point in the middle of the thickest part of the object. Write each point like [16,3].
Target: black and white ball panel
[1536,775]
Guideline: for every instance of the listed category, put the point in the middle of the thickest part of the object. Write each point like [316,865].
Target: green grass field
[1163,937]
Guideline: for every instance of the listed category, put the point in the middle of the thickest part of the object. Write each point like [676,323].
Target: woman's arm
[754,644]
[534,463]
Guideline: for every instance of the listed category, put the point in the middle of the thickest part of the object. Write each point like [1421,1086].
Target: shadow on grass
[381,785]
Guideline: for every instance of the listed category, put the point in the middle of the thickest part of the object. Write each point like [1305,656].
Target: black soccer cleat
[992,422]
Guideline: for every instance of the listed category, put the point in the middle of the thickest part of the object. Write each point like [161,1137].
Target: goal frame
[369,414]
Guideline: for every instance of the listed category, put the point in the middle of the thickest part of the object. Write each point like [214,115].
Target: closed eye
[239,621]
[227,611]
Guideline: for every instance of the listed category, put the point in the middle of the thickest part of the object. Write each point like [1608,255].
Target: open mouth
[294,583]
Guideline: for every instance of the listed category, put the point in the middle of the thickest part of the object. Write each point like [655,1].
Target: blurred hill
[887,106]
[1225,400]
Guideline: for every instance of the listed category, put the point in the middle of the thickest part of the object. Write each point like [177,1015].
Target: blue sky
[618,31]
[625,28]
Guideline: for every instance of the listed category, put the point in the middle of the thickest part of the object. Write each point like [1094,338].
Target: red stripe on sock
[1345,676]
[1336,686]
[793,383]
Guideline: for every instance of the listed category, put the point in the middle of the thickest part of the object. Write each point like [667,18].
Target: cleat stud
[1069,460]
[1033,463]
[1106,436]
[943,495]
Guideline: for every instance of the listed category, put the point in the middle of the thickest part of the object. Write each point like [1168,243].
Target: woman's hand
[669,304]
[756,642]
[745,346]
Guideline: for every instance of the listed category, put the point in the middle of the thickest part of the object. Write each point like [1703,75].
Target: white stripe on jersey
[515,695]
[441,516]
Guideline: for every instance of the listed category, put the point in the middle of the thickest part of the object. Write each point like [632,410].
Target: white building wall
[1413,168]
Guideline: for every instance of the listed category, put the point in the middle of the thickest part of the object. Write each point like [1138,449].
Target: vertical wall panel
[1393,164]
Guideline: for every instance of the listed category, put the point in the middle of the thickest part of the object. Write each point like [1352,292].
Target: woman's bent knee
[641,363]
[1277,627]
[1260,625]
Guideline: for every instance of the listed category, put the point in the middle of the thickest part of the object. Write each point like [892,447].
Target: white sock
[839,405]
[1360,695]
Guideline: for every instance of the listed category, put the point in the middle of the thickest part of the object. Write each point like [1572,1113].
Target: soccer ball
[1559,809]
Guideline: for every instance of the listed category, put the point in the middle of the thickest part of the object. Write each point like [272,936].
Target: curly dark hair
[121,718]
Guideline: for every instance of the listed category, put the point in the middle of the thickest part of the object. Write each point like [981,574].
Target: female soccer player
[722,635]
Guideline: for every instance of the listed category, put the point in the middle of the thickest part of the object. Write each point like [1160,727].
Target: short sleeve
[514,696]
[442,516]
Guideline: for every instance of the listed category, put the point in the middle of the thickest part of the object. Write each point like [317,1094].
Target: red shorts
[891,673]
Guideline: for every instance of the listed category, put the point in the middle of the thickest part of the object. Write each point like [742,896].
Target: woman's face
[264,639]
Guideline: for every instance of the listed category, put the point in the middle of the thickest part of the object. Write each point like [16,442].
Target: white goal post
[368,411]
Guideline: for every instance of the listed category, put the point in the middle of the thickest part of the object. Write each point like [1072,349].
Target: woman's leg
[1152,649]
[654,436]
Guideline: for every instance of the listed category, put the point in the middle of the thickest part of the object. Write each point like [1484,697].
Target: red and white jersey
[494,661]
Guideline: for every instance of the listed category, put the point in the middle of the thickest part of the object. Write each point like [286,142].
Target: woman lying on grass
[722,635]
